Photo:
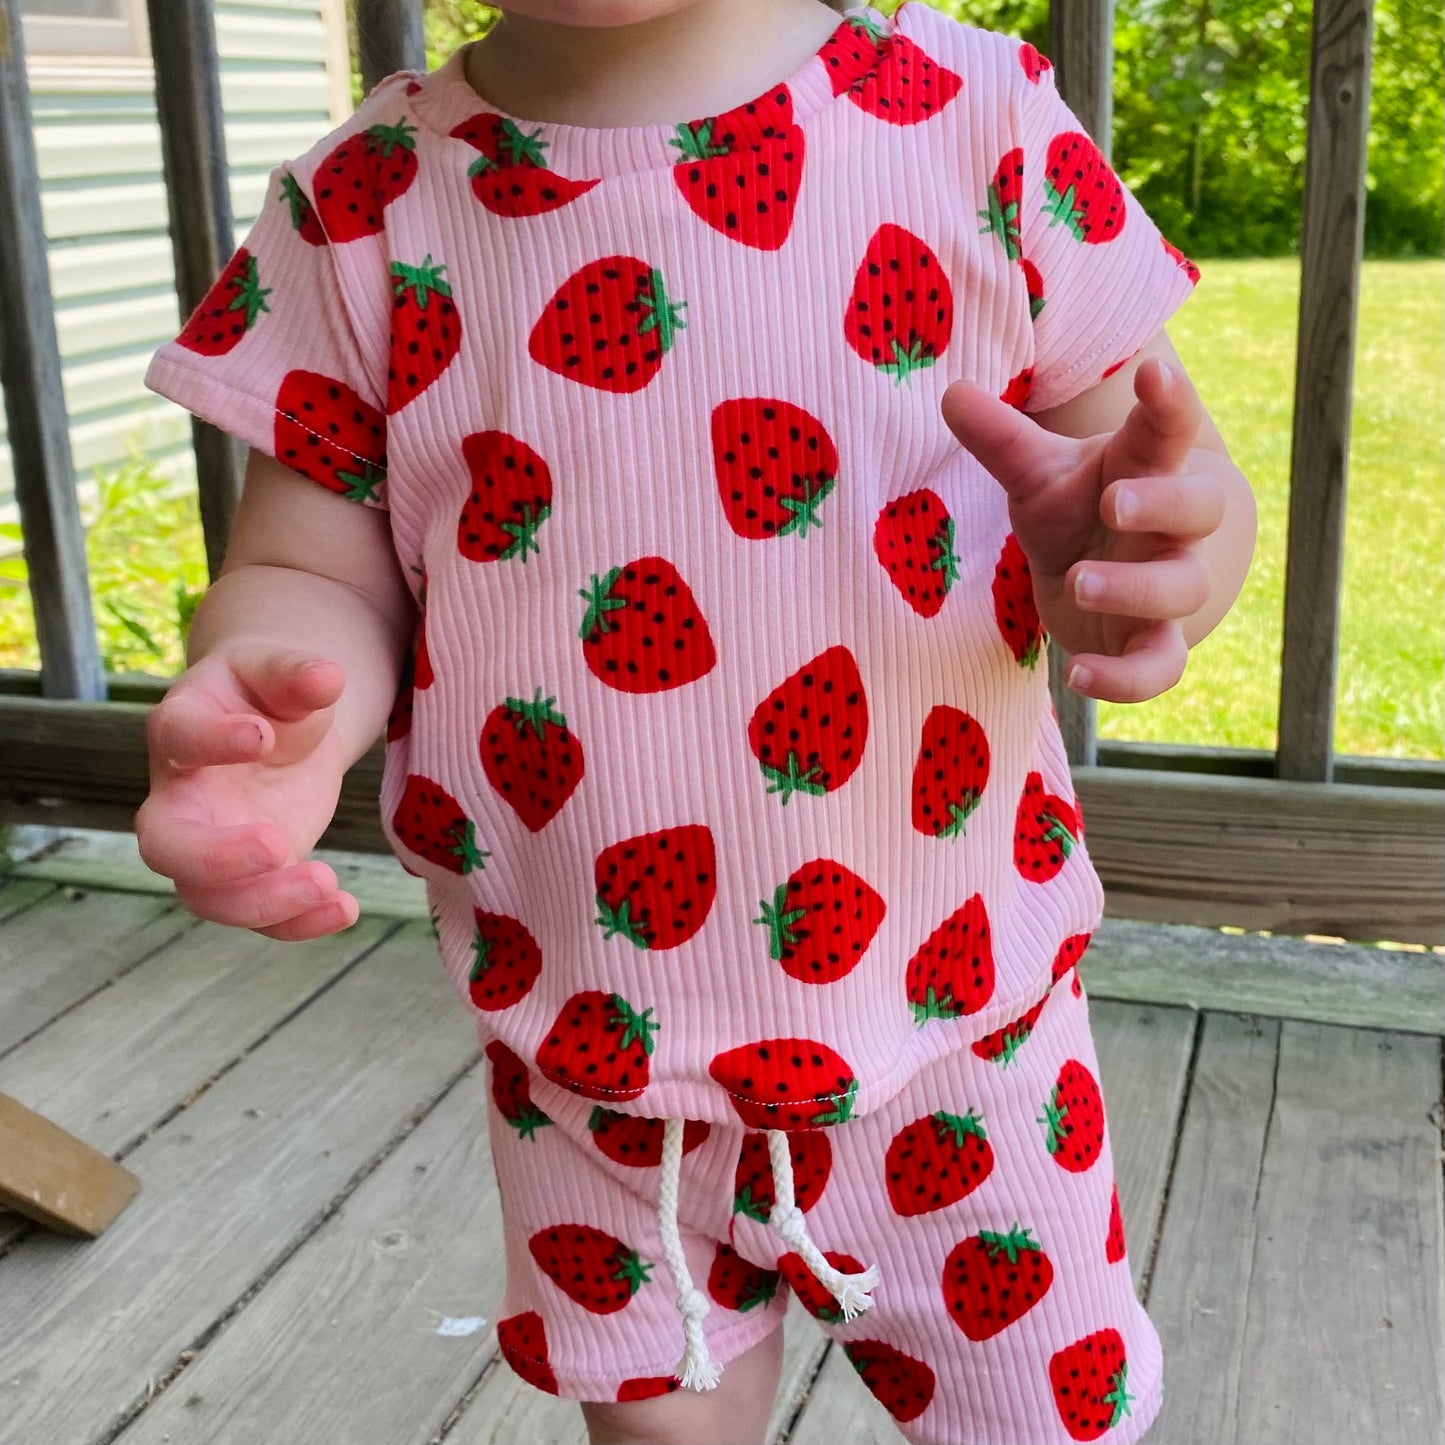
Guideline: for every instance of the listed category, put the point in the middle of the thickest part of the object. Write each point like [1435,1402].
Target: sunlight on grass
[1238,340]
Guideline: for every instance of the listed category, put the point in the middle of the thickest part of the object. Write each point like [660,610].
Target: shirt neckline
[444,100]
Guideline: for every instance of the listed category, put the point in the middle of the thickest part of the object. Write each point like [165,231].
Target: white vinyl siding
[104,207]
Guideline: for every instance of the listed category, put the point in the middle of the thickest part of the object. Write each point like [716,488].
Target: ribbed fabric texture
[727,751]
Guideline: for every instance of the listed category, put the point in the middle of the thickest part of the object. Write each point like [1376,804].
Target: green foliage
[147,573]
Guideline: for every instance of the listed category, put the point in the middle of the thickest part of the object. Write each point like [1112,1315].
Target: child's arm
[1171,571]
[295,656]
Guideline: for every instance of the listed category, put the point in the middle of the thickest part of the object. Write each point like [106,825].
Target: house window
[85,27]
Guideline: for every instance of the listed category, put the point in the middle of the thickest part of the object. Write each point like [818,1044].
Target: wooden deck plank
[361,1306]
[229,1187]
[64,948]
[1144,1062]
[1296,1289]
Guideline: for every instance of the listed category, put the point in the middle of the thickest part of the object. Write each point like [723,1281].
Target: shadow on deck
[313,1255]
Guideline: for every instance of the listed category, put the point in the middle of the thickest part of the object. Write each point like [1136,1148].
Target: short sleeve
[270,356]
[1101,278]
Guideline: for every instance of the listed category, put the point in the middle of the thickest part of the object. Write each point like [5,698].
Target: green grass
[1237,337]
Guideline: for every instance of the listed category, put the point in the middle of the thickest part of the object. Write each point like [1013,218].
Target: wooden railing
[1294,840]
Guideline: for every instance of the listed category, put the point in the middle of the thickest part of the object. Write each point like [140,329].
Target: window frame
[124,41]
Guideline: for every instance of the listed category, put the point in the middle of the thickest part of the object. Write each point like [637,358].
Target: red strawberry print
[1035,284]
[431,823]
[647,1387]
[642,630]
[787,1084]
[1005,195]
[512,1091]
[1081,192]
[506,961]
[1003,1044]
[511,497]
[737,1283]
[522,1340]
[821,921]
[531,758]
[1016,393]
[1073,1119]
[608,326]
[952,974]
[1044,832]
[935,1161]
[632,1140]
[590,1266]
[599,1046]
[426,331]
[901,1384]
[325,431]
[422,674]
[905,86]
[1114,1249]
[511,177]
[812,1154]
[398,720]
[1089,1383]
[950,772]
[303,213]
[990,1280]
[913,539]
[1033,63]
[656,890]
[814,1296]
[775,464]
[853,51]
[900,315]
[1014,608]
[740,171]
[1071,950]
[228,310]
[361,177]
[1185,264]
[809,732]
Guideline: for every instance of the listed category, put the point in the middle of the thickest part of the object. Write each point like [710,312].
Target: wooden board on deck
[230,1186]
[1297,1284]
[1144,1063]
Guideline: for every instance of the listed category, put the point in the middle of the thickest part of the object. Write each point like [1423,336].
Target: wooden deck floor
[311,1258]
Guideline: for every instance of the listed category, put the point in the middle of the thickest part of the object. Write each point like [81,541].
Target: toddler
[679,426]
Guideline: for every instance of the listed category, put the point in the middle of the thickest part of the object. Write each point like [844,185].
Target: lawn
[1237,337]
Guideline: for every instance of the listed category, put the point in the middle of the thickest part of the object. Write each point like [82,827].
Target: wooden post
[193,144]
[1081,45]
[1332,237]
[39,428]
[389,37]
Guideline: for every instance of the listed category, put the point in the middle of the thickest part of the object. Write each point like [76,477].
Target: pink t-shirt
[727,751]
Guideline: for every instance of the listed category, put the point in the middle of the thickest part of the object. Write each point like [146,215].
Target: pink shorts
[983,1193]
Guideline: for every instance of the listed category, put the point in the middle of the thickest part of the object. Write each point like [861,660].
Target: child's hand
[246,767]
[1065,503]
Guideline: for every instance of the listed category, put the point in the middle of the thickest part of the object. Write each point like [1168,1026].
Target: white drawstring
[697,1369]
[852,1291]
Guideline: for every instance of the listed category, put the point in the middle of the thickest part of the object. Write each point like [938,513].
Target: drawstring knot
[697,1370]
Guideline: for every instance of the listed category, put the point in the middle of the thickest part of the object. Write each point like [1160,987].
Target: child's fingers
[189,728]
[1187,507]
[330,917]
[1162,429]
[265,901]
[286,685]
[1173,584]
[1014,449]
[198,855]
[1152,662]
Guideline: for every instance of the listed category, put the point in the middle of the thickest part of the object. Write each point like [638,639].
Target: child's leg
[736,1413]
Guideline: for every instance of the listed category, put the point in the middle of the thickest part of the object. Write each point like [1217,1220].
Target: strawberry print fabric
[726,748]
[984,1189]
